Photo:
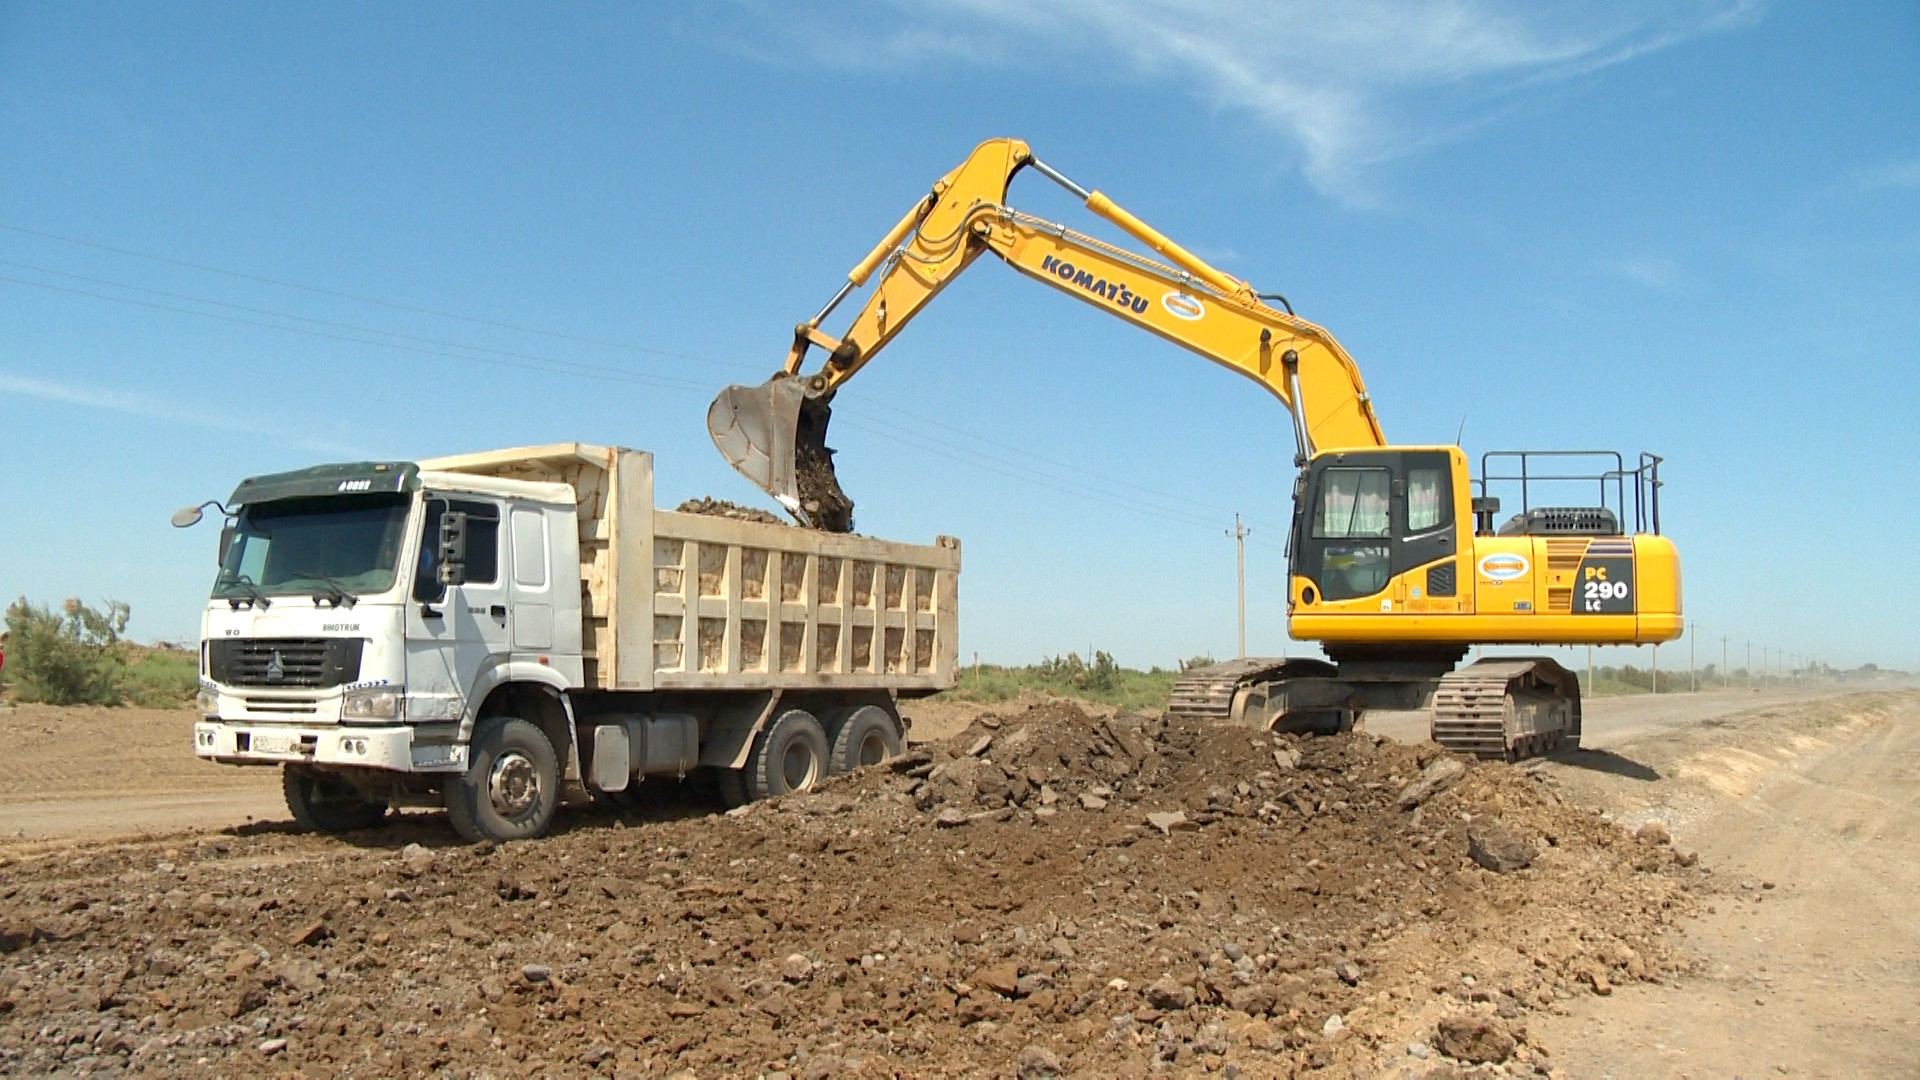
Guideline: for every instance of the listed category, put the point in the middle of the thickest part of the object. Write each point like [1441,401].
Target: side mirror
[186,517]
[227,533]
[453,548]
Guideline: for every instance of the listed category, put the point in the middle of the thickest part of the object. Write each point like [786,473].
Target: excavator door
[1369,516]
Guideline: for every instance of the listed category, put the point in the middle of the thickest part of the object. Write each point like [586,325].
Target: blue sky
[241,238]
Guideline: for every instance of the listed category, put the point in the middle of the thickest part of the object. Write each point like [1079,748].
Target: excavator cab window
[1372,515]
[1426,498]
[1351,525]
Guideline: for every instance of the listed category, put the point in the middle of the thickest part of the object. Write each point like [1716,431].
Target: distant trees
[1069,670]
[71,656]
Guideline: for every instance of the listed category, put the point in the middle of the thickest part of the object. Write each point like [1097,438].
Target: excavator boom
[774,434]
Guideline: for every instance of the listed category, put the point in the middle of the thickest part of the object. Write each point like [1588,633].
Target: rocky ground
[1045,893]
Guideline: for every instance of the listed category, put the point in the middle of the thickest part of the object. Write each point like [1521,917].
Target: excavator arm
[775,433]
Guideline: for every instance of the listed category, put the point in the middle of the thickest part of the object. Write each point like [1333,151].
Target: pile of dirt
[722,508]
[1045,894]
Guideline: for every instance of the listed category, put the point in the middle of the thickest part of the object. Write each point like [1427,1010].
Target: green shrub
[1103,681]
[69,657]
[161,677]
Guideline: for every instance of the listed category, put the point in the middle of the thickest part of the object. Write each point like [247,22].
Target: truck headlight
[373,703]
[207,702]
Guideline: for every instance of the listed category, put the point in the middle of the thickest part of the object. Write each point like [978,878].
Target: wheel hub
[513,784]
[797,766]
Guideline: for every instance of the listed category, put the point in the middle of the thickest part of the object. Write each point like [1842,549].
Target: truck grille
[312,663]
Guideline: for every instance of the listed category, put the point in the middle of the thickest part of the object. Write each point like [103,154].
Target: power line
[919,420]
[985,462]
[558,367]
[338,294]
[271,313]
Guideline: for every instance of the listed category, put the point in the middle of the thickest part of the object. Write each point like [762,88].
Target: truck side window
[529,548]
[483,548]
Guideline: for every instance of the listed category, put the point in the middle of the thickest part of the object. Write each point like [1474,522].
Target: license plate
[269,743]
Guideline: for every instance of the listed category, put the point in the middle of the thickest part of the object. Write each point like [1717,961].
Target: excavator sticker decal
[1604,583]
[1105,290]
[1182,306]
[1504,566]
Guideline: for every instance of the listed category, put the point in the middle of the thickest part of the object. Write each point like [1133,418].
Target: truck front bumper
[390,748]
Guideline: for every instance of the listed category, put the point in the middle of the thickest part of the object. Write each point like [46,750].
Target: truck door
[531,585]
[455,634]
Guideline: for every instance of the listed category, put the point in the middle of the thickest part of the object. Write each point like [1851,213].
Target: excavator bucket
[776,437]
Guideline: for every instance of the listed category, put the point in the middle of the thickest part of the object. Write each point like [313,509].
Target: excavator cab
[1370,516]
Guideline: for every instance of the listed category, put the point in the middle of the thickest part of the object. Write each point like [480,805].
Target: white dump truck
[504,632]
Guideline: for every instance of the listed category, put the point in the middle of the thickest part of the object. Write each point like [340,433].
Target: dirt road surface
[1281,912]
[1805,805]
[93,772]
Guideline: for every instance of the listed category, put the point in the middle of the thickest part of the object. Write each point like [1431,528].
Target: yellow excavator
[1396,565]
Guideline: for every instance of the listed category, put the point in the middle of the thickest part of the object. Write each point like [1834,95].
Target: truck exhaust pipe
[776,437]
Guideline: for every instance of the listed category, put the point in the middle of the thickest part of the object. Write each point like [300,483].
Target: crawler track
[1206,693]
[1507,709]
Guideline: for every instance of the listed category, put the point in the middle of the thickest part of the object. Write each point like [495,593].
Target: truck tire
[322,803]
[868,736]
[511,786]
[790,756]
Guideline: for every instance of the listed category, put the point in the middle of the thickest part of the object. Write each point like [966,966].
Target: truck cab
[337,641]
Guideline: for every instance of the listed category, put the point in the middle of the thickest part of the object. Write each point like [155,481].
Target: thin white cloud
[149,408]
[1345,85]
[1895,176]
[1656,272]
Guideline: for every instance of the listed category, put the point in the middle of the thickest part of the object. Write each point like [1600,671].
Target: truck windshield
[292,546]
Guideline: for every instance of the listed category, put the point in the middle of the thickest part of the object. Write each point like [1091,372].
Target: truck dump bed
[676,600]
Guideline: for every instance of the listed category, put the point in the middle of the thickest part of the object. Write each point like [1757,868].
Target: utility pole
[1656,669]
[1766,665]
[1693,630]
[1239,535]
[1589,687]
[1723,662]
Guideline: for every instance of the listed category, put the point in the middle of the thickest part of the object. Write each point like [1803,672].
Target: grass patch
[1102,682]
[159,677]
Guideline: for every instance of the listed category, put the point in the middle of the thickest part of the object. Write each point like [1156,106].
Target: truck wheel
[511,786]
[868,736]
[790,756]
[322,803]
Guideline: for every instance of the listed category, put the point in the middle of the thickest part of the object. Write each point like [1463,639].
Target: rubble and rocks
[1494,845]
[1112,897]
[722,508]
[1438,776]
[1480,1040]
